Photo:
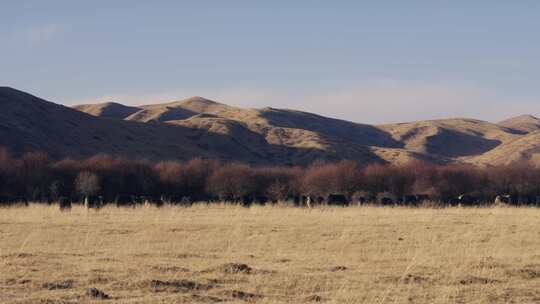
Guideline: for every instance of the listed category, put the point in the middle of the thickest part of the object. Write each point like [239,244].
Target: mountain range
[199,127]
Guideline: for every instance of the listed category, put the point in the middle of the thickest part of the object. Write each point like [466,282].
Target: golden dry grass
[328,255]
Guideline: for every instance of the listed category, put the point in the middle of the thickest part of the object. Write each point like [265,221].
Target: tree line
[36,177]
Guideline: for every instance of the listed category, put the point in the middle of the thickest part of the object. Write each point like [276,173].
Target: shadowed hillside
[178,110]
[200,127]
[440,141]
[524,148]
[28,123]
[451,138]
[108,109]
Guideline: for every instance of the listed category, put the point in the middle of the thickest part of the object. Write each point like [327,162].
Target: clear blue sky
[366,61]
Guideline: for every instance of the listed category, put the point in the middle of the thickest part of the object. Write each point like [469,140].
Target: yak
[337,200]
[64,203]
[93,202]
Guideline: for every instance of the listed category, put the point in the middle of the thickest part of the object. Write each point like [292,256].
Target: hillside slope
[108,109]
[200,127]
[524,148]
[450,138]
[28,123]
[441,141]
[523,123]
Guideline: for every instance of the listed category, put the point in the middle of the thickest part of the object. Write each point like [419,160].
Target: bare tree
[232,181]
[87,183]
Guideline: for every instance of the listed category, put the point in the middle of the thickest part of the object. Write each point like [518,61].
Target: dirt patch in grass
[527,273]
[407,279]
[206,299]
[118,231]
[187,256]
[314,298]
[489,264]
[99,280]
[58,285]
[20,255]
[470,280]
[242,295]
[232,268]
[50,301]
[169,268]
[338,268]
[177,286]
[17,281]
[97,294]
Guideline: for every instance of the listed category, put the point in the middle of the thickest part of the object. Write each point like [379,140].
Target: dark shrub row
[36,177]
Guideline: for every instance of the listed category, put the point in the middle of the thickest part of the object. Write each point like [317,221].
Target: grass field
[229,254]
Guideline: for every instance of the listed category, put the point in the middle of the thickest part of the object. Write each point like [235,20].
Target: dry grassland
[229,254]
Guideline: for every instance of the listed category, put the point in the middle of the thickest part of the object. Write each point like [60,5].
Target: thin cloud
[369,102]
[132,100]
[393,101]
[42,34]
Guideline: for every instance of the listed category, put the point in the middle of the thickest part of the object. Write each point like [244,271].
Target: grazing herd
[13,201]
[124,200]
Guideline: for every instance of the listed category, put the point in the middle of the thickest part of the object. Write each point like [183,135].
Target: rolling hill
[523,123]
[197,126]
[451,138]
[108,109]
[28,123]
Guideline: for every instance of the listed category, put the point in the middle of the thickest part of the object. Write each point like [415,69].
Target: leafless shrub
[87,183]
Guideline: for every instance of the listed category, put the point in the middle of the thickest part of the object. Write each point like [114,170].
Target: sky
[364,61]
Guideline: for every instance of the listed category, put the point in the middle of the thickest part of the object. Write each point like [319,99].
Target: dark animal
[213,199]
[467,200]
[420,198]
[453,201]
[124,200]
[186,201]
[7,201]
[93,202]
[409,200]
[21,200]
[157,202]
[337,200]
[261,199]
[385,201]
[200,198]
[64,203]
[525,200]
[361,200]
[152,201]
[246,201]
[503,199]
[42,199]
[137,200]
[297,200]
[174,200]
